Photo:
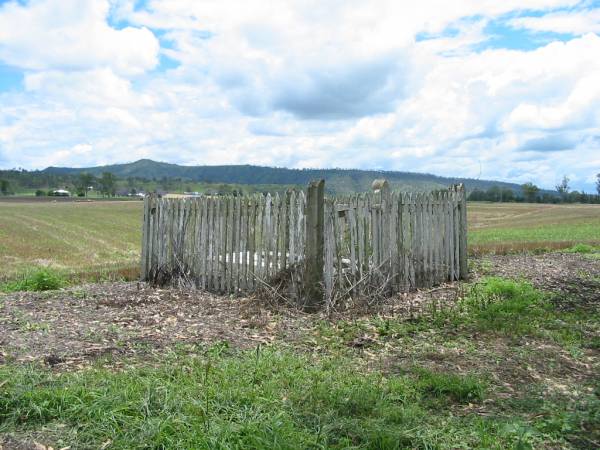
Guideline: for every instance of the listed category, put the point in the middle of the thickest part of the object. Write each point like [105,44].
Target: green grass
[270,399]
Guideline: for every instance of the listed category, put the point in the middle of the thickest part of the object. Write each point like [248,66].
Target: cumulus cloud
[310,84]
[72,34]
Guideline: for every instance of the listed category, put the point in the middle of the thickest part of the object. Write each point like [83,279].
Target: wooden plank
[259,232]
[204,242]
[428,241]
[145,236]
[252,243]
[436,234]
[292,229]
[216,269]
[210,242]
[243,270]
[393,243]
[456,235]
[463,246]
[351,215]
[405,242]
[451,235]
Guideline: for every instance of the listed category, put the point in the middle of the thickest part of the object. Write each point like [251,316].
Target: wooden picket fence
[322,248]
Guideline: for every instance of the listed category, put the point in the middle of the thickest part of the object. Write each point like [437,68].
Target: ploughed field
[99,239]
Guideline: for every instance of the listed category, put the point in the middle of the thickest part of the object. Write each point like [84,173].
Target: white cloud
[72,34]
[299,84]
[581,22]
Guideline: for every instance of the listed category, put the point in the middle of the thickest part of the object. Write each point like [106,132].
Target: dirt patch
[73,327]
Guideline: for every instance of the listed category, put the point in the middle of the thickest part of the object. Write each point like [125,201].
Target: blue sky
[505,90]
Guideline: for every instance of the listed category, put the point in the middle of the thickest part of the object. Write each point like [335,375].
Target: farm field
[75,237]
[512,227]
[99,239]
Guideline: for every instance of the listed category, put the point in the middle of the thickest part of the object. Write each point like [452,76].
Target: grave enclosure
[312,248]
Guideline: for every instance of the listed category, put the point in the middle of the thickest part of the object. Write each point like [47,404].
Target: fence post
[313,275]
[145,237]
[463,232]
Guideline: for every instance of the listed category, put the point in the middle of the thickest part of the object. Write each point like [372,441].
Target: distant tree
[5,187]
[83,182]
[108,184]
[476,195]
[508,195]
[530,192]
[598,183]
[563,187]
[494,194]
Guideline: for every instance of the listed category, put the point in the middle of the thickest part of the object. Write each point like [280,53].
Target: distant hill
[337,181]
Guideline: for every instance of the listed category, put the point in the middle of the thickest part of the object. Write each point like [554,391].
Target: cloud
[551,143]
[72,34]
[569,22]
[317,84]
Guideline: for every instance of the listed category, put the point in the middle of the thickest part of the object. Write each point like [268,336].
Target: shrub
[40,193]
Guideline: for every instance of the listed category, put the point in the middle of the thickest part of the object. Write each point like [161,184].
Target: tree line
[531,193]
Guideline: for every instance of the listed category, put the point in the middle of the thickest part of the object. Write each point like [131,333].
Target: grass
[269,399]
[320,392]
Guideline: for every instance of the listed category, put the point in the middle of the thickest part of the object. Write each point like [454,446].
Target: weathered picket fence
[322,248]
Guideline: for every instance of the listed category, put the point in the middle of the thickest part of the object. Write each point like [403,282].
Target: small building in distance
[184,195]
[61,193]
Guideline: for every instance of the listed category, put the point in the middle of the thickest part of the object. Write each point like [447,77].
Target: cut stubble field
[500,228]
[91,240]
[80,238]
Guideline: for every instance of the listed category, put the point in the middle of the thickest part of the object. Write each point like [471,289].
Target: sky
[506,90]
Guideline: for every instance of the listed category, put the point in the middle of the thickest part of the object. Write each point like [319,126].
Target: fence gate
[321,248]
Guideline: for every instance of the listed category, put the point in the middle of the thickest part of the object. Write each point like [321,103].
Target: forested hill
[336,180]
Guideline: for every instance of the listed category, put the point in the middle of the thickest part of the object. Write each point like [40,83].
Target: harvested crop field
[74,237]
[502,228]
[492,363]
